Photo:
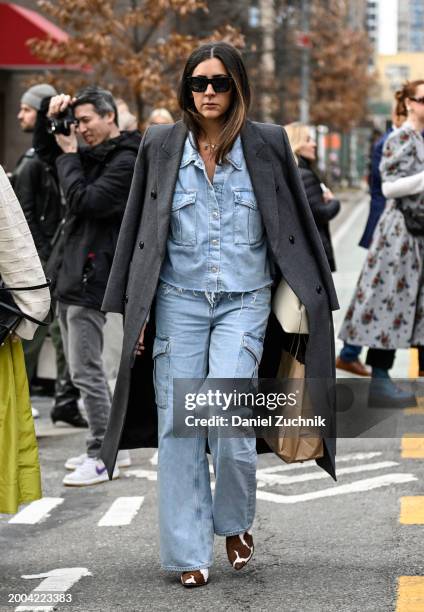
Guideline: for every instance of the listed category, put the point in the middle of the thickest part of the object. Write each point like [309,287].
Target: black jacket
[35,184]
[96,183]
[322,211]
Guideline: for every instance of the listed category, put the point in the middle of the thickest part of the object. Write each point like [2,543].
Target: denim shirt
[216,240]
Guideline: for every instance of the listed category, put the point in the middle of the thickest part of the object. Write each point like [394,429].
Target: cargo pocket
[248,224]
[161,365]
[183,219]
[250,356]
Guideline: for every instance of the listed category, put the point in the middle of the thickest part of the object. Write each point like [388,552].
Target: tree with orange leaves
[341,78]
[131,46]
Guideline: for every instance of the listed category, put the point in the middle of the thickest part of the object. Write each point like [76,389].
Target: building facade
[411,26]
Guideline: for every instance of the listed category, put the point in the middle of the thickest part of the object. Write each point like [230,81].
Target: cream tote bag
[289,310]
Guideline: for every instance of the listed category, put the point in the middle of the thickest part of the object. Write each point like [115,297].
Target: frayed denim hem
[232,533]
[188,568]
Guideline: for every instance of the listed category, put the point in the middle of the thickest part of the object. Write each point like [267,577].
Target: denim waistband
[213,296]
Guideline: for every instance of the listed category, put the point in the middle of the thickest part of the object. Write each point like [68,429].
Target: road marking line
[367,484]
[36,511]
[283,467]
[417,410]
[413,363]
[56,581]
[149,474]
[410,594]
[412,447]
[121,512]
[271,479]
[339,234]
[412,510]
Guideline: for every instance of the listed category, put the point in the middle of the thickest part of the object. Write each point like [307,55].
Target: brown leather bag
[302,443]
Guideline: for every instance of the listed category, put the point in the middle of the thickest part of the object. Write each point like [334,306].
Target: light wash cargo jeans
[219,335]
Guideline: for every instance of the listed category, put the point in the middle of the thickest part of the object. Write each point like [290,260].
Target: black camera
[61,124]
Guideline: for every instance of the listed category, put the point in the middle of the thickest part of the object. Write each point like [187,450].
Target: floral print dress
[387,308]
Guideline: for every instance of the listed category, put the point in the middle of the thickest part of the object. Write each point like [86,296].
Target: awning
[17,26]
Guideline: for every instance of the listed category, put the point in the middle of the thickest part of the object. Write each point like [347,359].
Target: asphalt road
[320,545]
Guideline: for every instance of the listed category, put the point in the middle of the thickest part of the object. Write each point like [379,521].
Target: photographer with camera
[36,186]
[95,180]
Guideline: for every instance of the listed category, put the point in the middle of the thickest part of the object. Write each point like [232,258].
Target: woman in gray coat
[216,215]
[387,309]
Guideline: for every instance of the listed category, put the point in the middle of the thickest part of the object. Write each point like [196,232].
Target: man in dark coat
[95,181]
[294,244]
[35,183]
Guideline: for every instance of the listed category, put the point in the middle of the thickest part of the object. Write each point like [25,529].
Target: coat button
[277,188]
[153,195]
[141,245]
[291,239]
[318,289]
[126,299]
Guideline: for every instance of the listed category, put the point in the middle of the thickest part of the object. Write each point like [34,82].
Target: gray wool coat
[293,242]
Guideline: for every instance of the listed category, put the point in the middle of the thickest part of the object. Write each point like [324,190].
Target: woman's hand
[140,344]
[328,195]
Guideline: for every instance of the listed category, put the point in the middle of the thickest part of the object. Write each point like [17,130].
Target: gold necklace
[207,145]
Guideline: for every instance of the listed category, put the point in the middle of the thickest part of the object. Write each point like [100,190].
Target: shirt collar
[235,156]
[190,153]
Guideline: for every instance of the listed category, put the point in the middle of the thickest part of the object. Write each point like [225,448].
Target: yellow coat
[20,480]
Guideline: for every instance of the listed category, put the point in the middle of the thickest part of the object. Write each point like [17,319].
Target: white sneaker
[91,471]
[123,460]
[35,413]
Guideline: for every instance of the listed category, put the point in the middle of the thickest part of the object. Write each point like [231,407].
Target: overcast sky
[387,22]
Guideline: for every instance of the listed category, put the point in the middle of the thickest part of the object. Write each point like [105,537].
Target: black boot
[68,413]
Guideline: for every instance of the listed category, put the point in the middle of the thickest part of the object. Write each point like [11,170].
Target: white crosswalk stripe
[367,484]
[272,479]
[122,511]
[55,583]
[37,511]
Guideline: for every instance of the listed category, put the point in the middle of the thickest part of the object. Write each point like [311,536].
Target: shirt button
[141,245]
[291,239]
[153,195]
[214,269]
[215,214]
[215,241]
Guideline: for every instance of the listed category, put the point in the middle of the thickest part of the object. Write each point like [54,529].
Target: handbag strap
[20,313]
[33,288]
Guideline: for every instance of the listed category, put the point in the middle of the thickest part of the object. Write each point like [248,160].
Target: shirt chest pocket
[248,224]
[183,219]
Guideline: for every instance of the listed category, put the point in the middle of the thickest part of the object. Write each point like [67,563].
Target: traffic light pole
[305,65]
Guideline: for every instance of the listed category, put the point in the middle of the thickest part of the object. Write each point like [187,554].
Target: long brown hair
[236,114]
[407,90]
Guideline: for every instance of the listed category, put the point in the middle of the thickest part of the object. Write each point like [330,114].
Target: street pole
[267,12]
[305,66]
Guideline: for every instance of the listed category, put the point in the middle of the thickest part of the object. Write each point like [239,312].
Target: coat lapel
[169,159]
[259,164]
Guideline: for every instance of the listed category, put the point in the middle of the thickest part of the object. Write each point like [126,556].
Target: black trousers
[381,358]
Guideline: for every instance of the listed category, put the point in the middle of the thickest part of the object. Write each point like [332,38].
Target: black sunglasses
[419,100]
[199,84]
